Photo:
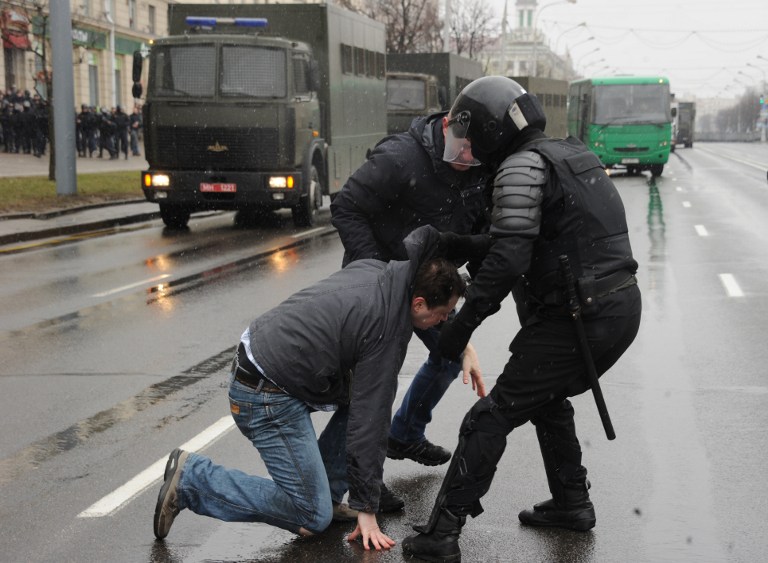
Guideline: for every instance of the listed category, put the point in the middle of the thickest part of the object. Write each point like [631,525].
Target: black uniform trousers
[545,368]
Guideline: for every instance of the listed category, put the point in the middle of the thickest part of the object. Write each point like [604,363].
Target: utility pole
[63,99]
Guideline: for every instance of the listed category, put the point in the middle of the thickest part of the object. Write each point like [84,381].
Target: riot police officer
[552,198]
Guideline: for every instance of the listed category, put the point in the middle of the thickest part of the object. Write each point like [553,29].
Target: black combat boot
[569,506]
[441,544]
[573,510]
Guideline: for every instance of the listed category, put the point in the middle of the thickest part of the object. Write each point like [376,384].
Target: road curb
[79,228]
[68,210]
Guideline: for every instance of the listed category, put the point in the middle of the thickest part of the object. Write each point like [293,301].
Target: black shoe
[167,507]
[389,501]
[548,514]
[424,452]
[441,544]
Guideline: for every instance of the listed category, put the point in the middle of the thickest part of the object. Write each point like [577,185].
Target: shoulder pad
[517,195]
[522,168]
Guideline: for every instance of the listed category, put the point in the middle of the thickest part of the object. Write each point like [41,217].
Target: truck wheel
[305,212]
[657,169]
[173,216]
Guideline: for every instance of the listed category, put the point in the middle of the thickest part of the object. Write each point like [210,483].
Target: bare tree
[472,26]
[412,26]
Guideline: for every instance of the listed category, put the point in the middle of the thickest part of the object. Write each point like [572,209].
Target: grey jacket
[343,340]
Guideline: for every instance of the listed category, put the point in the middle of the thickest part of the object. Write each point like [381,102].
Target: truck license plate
[630,161]
[222,188]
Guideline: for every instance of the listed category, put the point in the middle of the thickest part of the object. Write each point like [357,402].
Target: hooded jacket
[405,184]
[343,340]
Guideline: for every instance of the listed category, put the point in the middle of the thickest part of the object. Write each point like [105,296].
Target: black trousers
[545,368]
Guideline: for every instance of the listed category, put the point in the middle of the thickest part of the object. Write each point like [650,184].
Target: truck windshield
[183,71]
[257,72]
[405,94]
[631,103]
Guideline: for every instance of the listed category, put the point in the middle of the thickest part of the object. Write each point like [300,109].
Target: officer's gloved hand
[464,247]
[455,333]
[454,337]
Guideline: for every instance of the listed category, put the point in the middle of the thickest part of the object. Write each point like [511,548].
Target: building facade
[522,49]
[105,34]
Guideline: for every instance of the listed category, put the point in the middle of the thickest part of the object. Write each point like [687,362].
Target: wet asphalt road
[115,349]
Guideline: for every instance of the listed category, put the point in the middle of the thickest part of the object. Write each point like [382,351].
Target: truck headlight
[157,180]
[281,182]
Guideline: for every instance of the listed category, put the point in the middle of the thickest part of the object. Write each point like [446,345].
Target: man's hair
[437,281]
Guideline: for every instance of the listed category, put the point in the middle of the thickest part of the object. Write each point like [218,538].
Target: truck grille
[211,148]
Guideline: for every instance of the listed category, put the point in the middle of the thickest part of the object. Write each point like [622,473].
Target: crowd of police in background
[24,127]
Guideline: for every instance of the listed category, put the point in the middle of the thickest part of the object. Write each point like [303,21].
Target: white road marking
[121,496]
[701,230]
[131,286]
[679,188]
[686,204]
[731,287]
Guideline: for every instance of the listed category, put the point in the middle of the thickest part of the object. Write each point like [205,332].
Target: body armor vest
[584,219]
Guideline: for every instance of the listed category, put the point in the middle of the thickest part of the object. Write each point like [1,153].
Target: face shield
[458,148]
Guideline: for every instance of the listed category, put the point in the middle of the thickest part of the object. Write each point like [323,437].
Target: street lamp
[595,50]
[598,61]
[557,41]
[588,39]
[761,70]
[763,117]
[536,15]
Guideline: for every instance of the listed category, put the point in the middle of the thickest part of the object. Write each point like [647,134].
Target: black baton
[574,308]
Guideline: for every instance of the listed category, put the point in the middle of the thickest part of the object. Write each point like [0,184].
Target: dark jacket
[405,184]
[343,340]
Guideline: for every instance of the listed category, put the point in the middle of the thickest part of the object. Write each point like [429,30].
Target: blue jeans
[427,388]
[297,496]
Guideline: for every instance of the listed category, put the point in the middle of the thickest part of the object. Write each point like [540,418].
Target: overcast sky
[702,46]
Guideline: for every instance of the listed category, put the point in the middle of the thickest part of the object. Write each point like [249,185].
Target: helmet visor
[458,148]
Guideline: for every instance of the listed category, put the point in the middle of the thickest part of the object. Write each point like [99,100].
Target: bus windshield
[631,103]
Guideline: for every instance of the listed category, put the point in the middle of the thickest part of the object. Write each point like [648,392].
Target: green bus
[624,120]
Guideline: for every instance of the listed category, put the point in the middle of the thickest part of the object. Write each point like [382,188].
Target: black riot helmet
[490,112]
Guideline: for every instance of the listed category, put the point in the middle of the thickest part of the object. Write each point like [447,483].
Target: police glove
[455,334]
[463,247]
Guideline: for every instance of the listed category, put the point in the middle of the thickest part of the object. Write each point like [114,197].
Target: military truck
[441,75]
[685,120]
[553,97]
[410,94]
[260,107]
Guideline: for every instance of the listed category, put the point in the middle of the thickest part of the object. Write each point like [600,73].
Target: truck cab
[410,95]
[260,107]
[231,120]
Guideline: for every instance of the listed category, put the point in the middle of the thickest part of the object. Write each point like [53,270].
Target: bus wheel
[657,169]
[173,216]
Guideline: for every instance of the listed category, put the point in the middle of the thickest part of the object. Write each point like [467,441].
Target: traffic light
[762,99]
